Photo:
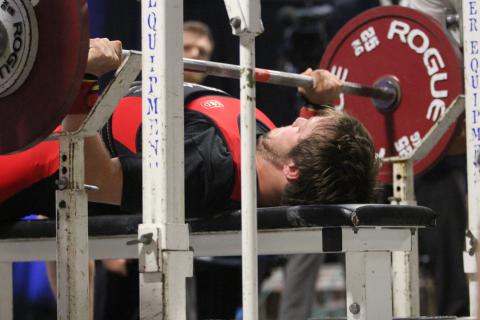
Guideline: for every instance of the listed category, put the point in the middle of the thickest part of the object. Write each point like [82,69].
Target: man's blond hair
[199,28]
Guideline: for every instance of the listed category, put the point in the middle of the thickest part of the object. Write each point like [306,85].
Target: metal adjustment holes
[354,308]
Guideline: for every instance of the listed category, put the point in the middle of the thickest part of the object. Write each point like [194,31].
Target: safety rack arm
[436,132]
[72,201]
[403,165]
[109,99]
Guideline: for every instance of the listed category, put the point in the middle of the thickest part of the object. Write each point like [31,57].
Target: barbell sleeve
[225,70]
[382,93]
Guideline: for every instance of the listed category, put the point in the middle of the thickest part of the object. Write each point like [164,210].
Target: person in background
[198,44]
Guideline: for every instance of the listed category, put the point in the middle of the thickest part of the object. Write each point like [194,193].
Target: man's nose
[299,122]
[193,53]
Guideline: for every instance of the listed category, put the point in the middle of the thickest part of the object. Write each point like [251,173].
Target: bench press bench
[367,233]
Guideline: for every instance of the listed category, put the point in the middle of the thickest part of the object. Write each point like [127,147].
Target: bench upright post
[72,232]
[471,33]
[246,23]
[165,260]
[406,287]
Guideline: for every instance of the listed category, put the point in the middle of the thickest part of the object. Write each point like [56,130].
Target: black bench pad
[349,215]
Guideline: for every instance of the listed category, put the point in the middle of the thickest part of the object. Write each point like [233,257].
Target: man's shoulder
[192,91]
[187,86]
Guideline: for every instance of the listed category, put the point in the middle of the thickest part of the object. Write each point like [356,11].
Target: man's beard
[193,77]
[268,152]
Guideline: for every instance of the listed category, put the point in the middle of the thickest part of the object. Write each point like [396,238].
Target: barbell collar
[376,92]
[389,102]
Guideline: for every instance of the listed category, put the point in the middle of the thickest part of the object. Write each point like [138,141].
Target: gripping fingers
[104,56]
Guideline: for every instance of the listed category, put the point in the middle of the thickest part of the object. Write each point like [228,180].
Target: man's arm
[325,90]
[100,169]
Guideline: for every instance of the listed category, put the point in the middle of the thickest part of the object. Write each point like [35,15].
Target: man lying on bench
[328,158]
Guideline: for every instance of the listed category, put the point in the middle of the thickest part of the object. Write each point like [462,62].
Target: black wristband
[309,105]
[89,76]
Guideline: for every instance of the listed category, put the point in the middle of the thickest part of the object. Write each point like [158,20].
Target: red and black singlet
[218,106]
[212,156]
[21,170]
[225,112]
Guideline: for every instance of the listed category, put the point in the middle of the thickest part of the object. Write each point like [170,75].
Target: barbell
[400,58]
[385,94]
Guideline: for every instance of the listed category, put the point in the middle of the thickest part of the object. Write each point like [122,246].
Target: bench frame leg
[6,293]
[167,286]
[369,285]
[406,287]
[406,282]
[72,233]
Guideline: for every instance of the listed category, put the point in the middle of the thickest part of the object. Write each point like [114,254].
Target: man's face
[280,141]
[196,46]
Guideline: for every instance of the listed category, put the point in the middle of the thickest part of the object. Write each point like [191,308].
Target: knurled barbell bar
[385,93]
[286,79]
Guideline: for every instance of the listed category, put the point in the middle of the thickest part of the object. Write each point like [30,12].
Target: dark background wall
[285,40]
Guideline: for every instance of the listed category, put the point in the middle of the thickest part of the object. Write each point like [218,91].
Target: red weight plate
[412,47]
[32,112]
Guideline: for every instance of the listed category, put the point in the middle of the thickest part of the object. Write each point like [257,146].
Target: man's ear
[291,171]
